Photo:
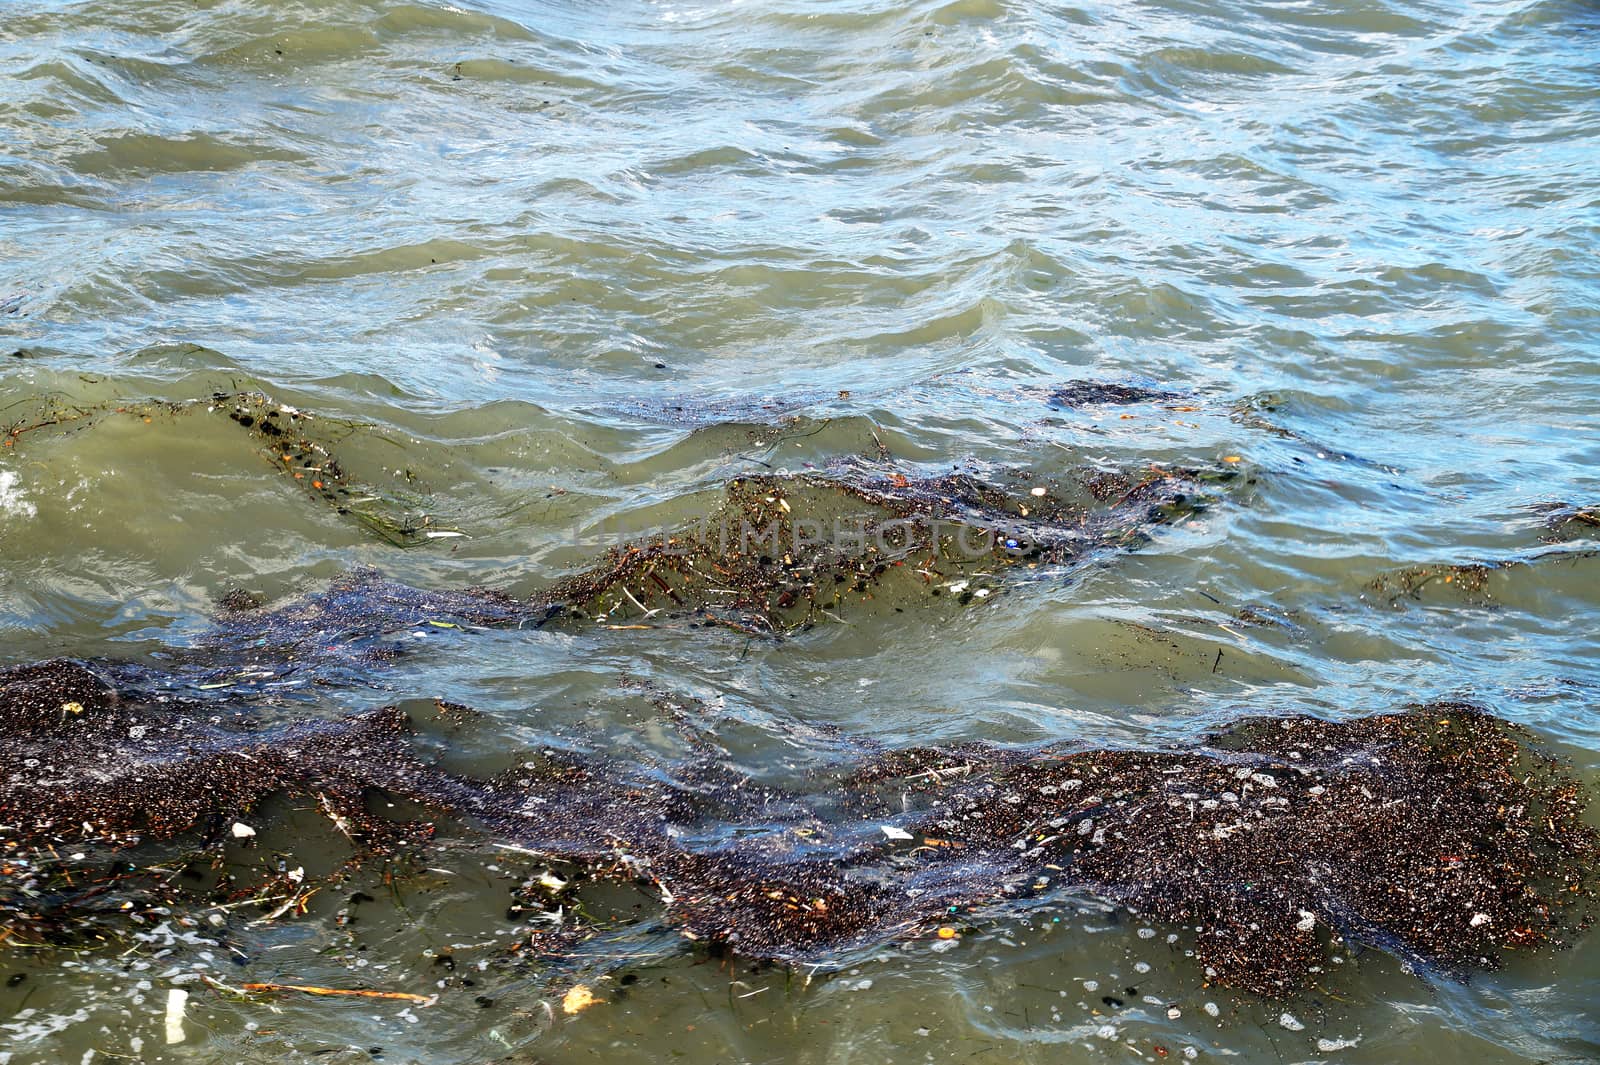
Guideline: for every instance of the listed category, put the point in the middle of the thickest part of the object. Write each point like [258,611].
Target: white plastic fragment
[242,831]
[177,1002]
[895,833]
[1290,1023]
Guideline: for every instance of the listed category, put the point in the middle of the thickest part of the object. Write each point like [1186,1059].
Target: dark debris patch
[783,553]
[1564,522]
[1469,582]
[703,411]
[350,619]
[1472,584]
[811,559]
[1076,394]
[299,445]
[759,564]
[1439,834]
[85,759]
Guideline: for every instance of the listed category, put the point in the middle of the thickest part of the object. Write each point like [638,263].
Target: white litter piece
[177,1002]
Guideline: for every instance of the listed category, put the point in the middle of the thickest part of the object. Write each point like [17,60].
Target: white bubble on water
[12,500]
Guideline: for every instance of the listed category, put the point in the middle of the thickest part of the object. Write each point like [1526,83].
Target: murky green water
[499,242]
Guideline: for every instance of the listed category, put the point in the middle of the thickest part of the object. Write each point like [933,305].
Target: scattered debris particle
[577,999]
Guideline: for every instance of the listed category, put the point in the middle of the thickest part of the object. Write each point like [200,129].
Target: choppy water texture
[544,277]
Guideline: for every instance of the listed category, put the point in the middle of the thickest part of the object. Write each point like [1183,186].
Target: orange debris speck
[578,999]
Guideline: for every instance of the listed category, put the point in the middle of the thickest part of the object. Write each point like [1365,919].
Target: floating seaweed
[1077,394]
[351,619]
[298,445]
[1474,584]
[783,552]
[1564,521]
[1469,581]
[910,509]
[1254,413]
[1437,833]
[1266,616]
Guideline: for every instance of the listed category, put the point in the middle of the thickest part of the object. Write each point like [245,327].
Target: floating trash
[296,444]
[577,999]
[1564,521]
[1107,393]
[1438,834]
[177,1005]
[783,553]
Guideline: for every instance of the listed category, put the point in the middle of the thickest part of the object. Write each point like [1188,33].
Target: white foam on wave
[12,501]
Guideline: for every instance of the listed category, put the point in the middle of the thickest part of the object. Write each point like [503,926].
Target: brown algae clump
[1438,834]
[784,552]
[1564,521]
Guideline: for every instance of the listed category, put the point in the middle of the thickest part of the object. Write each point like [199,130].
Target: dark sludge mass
[1438,833]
